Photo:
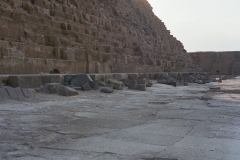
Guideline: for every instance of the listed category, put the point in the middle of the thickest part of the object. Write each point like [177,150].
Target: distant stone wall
[86,36]
[218,62]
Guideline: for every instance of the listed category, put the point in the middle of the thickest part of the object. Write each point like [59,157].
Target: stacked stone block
[79,36]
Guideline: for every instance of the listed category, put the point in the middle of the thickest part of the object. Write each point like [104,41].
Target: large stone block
[80,79]
[31,81]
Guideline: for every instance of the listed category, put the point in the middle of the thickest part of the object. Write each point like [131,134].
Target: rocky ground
[185,123]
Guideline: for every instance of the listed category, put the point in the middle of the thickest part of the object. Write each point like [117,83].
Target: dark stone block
[68,78]
[80,80]
[19,93]
[25,81]
[12,93]
[86,87]
[94,85]
[26,92]
[141,81]
[141,87]
[132,84]
[4,94]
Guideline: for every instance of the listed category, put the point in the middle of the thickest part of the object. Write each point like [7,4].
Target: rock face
[86,36]
[218,62]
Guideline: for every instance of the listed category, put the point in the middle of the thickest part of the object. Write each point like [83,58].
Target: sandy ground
[184,123]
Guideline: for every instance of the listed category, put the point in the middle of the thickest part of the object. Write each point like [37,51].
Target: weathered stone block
[67,91]
[4,94]
[86,87]
[132,84]
[25,81]
[12,93]
[80,80]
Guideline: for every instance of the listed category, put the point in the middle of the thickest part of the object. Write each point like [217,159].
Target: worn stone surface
[97,36]
[218,62]
[183,123]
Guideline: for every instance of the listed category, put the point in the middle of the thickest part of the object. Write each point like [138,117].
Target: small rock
[107,89]
[86,87]
[215,89]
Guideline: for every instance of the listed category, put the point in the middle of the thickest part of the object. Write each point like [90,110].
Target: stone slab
[19,93]
[4,94]
[12,93]
[26,92]
[80,79]
[86,87]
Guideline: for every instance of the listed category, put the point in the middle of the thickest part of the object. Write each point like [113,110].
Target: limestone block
[68,54]
[25,81]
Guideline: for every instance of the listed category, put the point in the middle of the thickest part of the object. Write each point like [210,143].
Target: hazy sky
[202,25]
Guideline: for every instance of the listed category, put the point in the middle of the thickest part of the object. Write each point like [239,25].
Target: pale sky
[202,25]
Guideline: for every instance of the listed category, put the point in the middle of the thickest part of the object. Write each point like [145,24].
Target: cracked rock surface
[164,122]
